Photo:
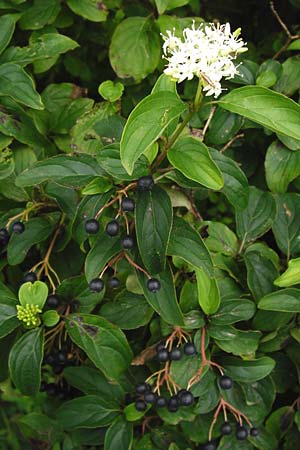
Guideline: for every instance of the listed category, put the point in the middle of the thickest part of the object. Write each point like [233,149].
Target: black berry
[30,276]
[254,432]
[189,349]
[209,446]
[160,346]
[226,428]
[96,285]
[150,397]
[161,402]
[186,398]
[113,283]
[142,388]
[127,242]
[92,226]
[173,404]
[4,236]
[52,301]
[175,354]
[225,382]
[241,433]
[140,405]
[153,285]
[61,357]
[18,227]
[127,204]
[112,228]
[163,355]
[145,183]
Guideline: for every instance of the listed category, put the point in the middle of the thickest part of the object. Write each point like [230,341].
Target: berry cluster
[59,359]
[241,434]
[175,354]
[147,396]
[128,242]
[17,228]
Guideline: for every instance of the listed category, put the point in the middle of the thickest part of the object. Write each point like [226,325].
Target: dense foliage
[149,233]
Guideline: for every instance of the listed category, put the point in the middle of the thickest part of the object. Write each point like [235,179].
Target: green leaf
[187,244]
[42,47]
[36,230]
[291,276]
[128,311]
[25,361]
[192,158]
[50,318]
[89,9]
[247,371]
[223,126]
[286,226]
[236,186]
[234,341]
[132,414]
[90,411]
[221,239]
[91,381]
[208,292]
[285,300]
[233,310]
[111,91]
[164,301]
[119,435]
[98,185]
[135,48]
[18,85]
[163,5]
[146,123]
[288,82]
[33,293]
[103,250]
[41,13]
[268,108]
[7,27]
[103,342]
[282,166]
[70,170]
[262,269]
[8,312]
[257,218]
[153,222]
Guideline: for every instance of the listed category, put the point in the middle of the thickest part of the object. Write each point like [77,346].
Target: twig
[211,114]
[290,36]
[229,143]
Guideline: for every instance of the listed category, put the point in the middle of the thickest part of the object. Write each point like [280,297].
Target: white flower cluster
[206,52]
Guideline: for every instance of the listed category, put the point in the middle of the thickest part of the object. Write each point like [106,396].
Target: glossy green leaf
[285,300]
[135,48]
[90,411]
[103,342]
[262,265]
[187,244]
[268,108]
[291,276]
[128,311]
[221,239]
[69,170]
[236,186]
[164,301]
[257,218]
[208,292]
[288,82]
[36,230]
[98,185]
[191,157]
[111,91]
[25,361]
[42,12]
[18,85]
[233,310]
[7,27]
[33,293]
[223,126]
[146,123]
[8,312]
[163,5]
[247,371]
[282,166]
[153,222]
[89,9]
[119,435]
[286,226]
[50,318]
[103,250]
[232,340]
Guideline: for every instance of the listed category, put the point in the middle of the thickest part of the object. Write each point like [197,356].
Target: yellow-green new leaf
[208,292]
[291,276]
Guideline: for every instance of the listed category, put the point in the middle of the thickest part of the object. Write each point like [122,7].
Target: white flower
[207,52]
